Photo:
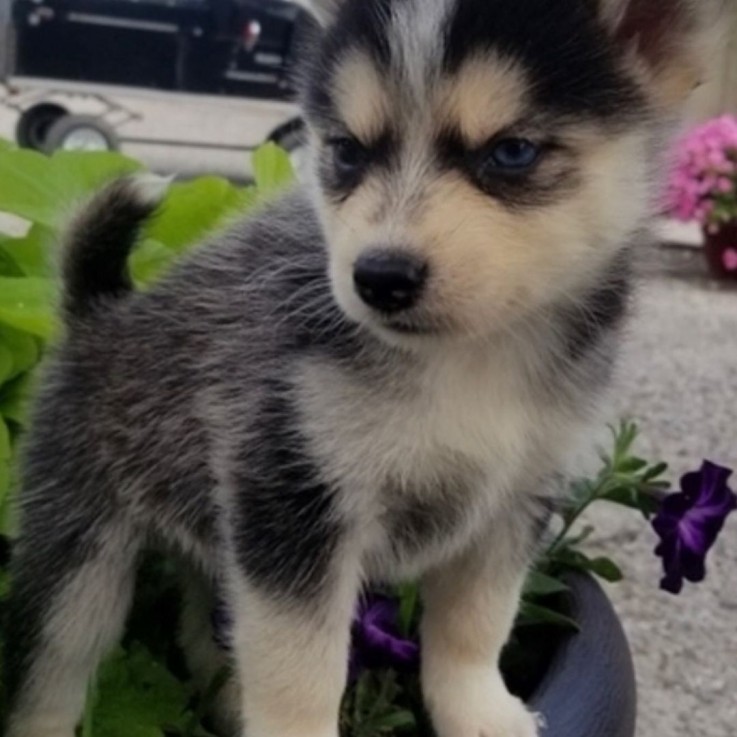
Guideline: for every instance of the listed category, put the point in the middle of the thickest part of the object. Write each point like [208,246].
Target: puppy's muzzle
[389,281]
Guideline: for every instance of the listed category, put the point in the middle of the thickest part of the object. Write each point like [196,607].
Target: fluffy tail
[101,238]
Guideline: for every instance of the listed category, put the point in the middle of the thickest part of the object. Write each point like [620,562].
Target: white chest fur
[456,438]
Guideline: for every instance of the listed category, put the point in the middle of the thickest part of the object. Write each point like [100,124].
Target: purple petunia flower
[377,642]
[689,522]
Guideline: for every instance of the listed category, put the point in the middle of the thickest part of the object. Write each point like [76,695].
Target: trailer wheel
[80,133]
[34,123]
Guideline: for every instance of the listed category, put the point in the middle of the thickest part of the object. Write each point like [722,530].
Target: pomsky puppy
[379,377]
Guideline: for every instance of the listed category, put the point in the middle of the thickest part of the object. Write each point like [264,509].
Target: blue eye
[348,154]
[514,154]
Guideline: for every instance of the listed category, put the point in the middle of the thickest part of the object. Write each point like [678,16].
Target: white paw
[512,719]
[480,706]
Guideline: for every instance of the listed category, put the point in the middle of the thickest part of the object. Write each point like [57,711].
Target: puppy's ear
[324,10]
[669,41]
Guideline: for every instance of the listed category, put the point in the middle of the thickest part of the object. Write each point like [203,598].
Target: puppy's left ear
[669,42]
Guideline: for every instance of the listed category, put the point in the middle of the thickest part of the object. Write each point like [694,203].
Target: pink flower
[703,167]
[724,185]
[729,259]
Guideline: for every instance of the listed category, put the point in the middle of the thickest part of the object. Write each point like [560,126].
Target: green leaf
[578,561]
[150,259]
[607,569]
[14,398]
[5,447]
[193,209]
[540,584]
[4,479]
[626,496]
[534,614]
[6,363]
[655,472]
[272,168]
[31,253]
[83,172]
[409,597]
[42,189]
[631,465]
[8,266]
[28,186]
[27,304]
[22,349]
[399,719]
[634,497]
[138,697]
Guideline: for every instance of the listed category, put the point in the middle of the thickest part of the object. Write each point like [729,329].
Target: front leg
[293,582]
[292,658]
[470,607]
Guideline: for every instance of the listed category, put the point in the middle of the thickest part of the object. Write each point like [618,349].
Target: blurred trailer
[98,74]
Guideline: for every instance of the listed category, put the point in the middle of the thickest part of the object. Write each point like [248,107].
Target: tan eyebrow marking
[486,95]
[361,98]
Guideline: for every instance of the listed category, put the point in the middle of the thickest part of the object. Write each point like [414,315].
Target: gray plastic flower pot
[588,689]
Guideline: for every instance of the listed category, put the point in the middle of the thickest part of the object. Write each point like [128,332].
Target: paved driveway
[679,378]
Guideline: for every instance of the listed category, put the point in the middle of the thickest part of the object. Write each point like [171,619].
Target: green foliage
[136,695]
[379,704]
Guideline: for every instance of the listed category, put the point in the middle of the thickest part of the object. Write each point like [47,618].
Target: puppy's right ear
[671,42]
[324,10]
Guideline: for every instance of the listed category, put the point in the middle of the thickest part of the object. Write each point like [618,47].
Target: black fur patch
[380,154]
[573,65]
[285,527]
[599,311]
[359,25]
[100,242]
[421,521]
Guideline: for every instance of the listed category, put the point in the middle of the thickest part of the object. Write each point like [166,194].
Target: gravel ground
[678,380]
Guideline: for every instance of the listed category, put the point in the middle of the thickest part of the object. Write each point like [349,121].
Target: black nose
[390,281]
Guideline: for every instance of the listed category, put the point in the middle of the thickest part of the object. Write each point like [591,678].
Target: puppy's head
[477,161]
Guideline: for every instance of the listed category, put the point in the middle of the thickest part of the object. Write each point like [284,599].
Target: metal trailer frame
[22,93]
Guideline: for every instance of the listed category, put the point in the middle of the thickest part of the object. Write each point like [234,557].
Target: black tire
[34,124]
[69,133]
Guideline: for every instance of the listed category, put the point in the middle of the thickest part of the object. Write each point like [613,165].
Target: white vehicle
[147,76]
